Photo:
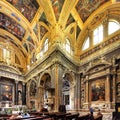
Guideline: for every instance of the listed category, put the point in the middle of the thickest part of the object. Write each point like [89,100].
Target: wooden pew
[60,116]
[99,117]
[72,116]
[83,117]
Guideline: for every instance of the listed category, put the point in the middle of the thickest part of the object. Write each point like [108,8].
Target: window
[113,26]
[67,45]
[98,35]
[46,45]
[86,44]
[6,55]
[33,59]
[41,53]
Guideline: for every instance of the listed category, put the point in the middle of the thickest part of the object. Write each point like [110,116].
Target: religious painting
[11,26]
[57,7]
[43,31]
[33,89]
[43,19]
[27,7]
[98,90]
[85,7]
[5,92]
[70,20]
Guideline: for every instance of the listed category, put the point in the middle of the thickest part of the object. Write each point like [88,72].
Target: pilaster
[108,88]
[16,92]
[57,101]
[23,94]
[87,94]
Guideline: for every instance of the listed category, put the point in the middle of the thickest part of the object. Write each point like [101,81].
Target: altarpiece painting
[98,90]
[5,92]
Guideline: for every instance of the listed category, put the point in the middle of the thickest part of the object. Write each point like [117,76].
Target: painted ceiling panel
[86,7]
[29,39]
[27,7]
[43,31]
[43,18]
[11,26]
[57,7]
[70,20]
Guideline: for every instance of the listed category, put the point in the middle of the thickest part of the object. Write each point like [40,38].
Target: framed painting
[5,92]
[98,90]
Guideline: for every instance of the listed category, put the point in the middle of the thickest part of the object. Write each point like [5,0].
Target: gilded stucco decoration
[28,22]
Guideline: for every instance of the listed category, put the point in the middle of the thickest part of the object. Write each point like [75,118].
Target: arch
[86,44]
[100,65]
[10,68]
[67,75]
[42,74]
[45,78]
[46,91]
[98,34]
[113,26]
[68,90]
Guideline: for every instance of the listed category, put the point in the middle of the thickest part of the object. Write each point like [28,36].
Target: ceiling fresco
[27,7]
[57,7]
[11,26]
[86,7]
[70,20]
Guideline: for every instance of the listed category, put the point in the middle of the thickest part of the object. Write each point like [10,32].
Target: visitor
[19,115]
[99,113]
[26,115]
[13,116]
[91,110]
[91,117]
[43,109]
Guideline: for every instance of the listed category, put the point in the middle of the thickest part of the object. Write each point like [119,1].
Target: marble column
[23,94]
[16,92]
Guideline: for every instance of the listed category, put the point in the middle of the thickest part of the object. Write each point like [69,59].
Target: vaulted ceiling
[24,23]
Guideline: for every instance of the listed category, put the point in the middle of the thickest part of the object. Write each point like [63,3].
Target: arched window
[67,45]
[86,44]
[113,26]
[41,53]
[98,35]
[33,59]
[46,45]
[6,55]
